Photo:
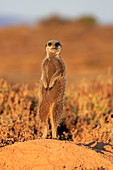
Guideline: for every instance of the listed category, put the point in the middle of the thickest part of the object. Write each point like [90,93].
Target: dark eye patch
[49,44]
[57,44]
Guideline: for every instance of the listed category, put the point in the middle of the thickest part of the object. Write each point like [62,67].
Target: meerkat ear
[45,45]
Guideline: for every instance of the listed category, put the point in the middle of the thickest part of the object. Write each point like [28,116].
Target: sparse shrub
[87,20]
[88,113]
[53,20]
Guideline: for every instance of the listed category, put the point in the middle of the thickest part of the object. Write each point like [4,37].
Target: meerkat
[52,87]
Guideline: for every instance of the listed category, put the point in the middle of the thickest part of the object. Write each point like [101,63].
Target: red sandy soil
[54,154]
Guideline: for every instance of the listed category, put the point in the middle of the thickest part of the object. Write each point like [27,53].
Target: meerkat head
[53,47]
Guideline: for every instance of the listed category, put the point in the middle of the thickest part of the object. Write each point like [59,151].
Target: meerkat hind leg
[43,117]
[56,111]
[54,128]
[45,128]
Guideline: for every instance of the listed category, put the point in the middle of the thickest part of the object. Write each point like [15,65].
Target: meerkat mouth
[53,48]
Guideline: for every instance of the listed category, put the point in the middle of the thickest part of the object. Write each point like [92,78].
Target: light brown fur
[52,86]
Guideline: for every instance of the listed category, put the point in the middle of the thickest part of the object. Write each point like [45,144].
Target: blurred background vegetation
[87,48]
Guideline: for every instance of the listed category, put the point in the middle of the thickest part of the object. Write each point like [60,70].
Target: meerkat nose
[54,47]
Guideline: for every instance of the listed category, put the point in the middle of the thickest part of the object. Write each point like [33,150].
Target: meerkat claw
[50,88]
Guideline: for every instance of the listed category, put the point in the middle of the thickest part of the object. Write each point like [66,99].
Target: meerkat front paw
[45,85]
[51,85]
[50,88]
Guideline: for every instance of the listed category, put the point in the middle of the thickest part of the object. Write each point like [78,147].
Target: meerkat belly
[56,93]
[51,70]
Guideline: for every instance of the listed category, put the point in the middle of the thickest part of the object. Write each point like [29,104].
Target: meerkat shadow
[61,131]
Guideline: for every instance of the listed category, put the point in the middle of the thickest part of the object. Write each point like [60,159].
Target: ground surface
[54,154]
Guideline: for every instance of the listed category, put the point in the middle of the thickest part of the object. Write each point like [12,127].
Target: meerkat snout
[53,46]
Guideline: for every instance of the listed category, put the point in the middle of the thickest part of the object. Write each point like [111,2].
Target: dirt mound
[54,154]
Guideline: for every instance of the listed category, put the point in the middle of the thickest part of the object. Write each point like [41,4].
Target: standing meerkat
[52,86]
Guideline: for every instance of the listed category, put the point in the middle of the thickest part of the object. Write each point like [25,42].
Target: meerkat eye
[57,44]
[49,44]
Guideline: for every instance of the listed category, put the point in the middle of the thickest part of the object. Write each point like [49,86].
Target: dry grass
[87,117]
